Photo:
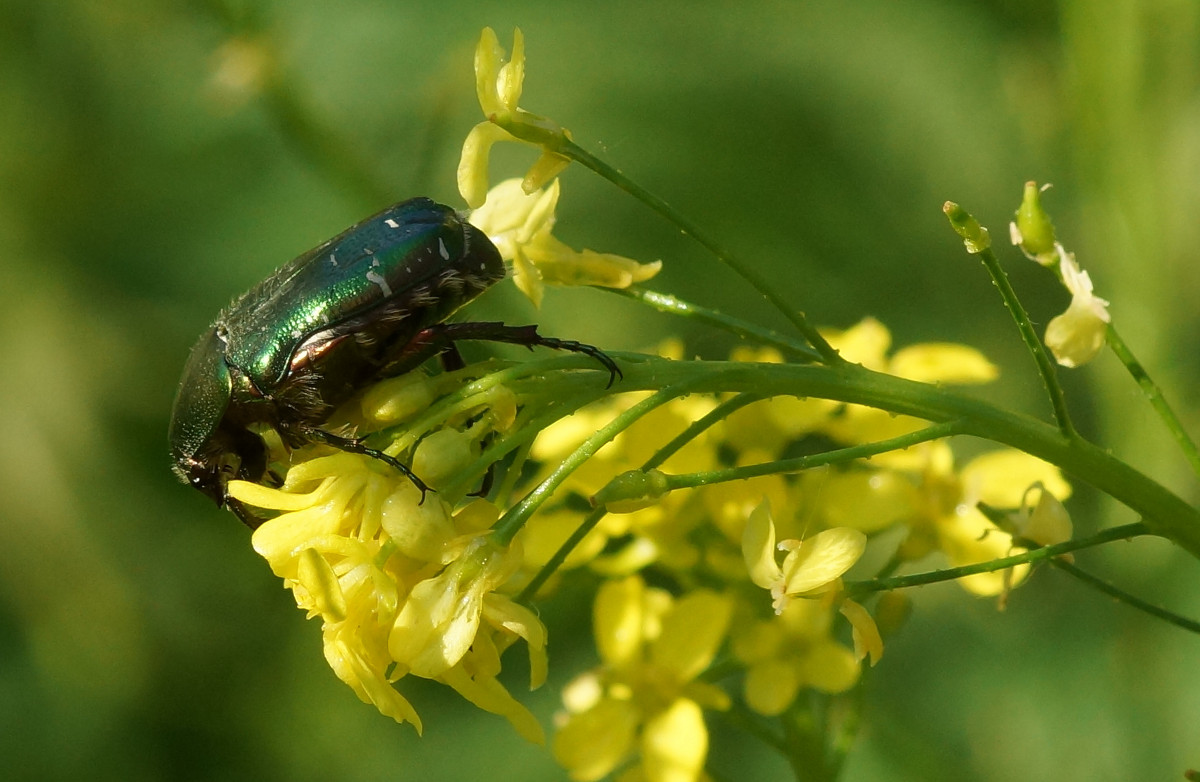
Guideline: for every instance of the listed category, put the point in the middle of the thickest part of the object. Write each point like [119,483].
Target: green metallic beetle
[368,304]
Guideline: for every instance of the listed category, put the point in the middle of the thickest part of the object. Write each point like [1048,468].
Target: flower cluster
[403,583]
[708,543]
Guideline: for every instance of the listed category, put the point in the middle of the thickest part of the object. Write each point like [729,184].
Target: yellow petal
[489,59]
[1077,336]
[528,279]
[590,744]
[512,74]
[1001,478]
[692,632]
[675,743]
[865,343]
[829,667]
[585,267]
[822,558]
[866,500]
[368,685]
[1048,523]
[618,616]
[758,547]
[503,612]
[544,169]
[942,362]
[473,162]
[866,635]
[421,530]
[968,538]
[505,210]
[317,578]
[488,694]
[771,686]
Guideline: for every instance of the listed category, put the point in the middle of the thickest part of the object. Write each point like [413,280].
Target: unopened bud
[974,235]
[631,491]
[1032,229]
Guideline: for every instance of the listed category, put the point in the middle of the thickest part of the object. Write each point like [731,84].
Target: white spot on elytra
[390,223]
[442,251]
[379,280]
[333,259]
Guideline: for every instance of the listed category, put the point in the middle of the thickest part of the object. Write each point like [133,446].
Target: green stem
[1155,396]
[800,463]
[530,590]
[978,242]
[1124,597]
[666,303]
[770,290]
[324,147]
[1041,356]
[589,522]
[856,589]
[694,429]
[739,716]
[1163,512]
[511,522]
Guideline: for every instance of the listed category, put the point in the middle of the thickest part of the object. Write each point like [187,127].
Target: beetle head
[207,449]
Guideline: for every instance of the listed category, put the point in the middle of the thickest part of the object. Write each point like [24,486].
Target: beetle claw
[355,445]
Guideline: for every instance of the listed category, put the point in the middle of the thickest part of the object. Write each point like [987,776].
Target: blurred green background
[141,187]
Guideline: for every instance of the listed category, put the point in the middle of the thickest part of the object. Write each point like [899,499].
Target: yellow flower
[792,651]
[519,222]
[1077,336]
[401,585]
[810,567]
[1045,521]
[645,700]
[867,343]
[655,529]
[1000,479]
[498,86]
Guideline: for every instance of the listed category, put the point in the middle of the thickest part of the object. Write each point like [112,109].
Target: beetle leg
[353,445]
[451,359]
[434,337]
[251,520]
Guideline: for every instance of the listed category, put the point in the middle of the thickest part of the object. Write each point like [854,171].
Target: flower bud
[974,235]
[1032,229]
[631,491]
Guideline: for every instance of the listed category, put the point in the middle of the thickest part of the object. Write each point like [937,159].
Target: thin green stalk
[1124,597]
[856,589]
[666,303]
[1041,356]
[740,716]
[1165,513]
[749,273]
[694,429]
[589,522]
[800,463]
[1155,396]
[805,744]
[324,147]
[978,242]
[511,522]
